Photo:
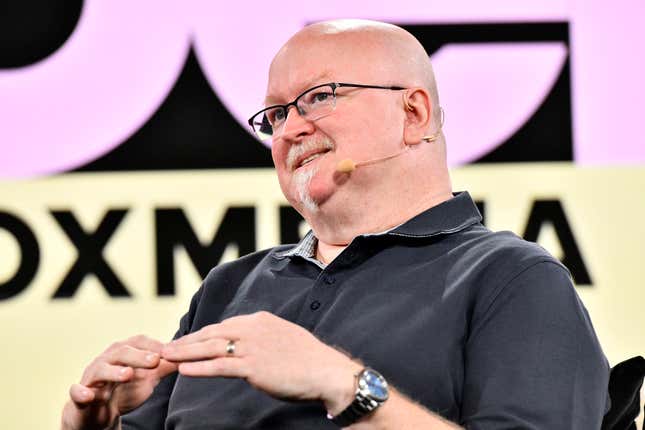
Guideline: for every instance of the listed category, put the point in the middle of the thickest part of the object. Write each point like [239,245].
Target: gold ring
[230,347]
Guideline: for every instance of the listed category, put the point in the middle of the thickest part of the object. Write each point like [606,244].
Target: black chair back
[625,382]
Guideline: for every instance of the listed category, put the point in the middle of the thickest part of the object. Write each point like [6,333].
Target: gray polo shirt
[482,328]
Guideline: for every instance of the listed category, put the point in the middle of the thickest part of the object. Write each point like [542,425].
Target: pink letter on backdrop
[124,57]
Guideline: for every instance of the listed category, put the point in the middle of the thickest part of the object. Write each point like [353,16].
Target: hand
[272,354]
[117,381]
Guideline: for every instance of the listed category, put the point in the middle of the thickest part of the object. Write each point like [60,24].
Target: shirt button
[314,305]
[329,279]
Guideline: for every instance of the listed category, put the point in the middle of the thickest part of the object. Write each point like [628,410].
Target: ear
[418,112]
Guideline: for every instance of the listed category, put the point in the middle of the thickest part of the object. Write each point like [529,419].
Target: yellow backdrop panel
[46,343]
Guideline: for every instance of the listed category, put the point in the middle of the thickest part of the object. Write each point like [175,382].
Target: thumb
[81,395]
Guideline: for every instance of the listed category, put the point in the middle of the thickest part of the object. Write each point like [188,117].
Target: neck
[334,236]
[379,198]
[326,253]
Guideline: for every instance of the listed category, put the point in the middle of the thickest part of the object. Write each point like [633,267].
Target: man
[470,328]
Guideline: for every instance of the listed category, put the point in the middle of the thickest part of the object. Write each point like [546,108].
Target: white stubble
[302,180]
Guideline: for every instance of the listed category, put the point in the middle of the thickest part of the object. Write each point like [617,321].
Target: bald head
[387,52]
[381,118]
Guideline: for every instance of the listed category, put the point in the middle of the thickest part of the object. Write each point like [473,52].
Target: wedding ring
[230,347]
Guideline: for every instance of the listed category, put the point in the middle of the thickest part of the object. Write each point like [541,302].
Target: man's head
[364,124]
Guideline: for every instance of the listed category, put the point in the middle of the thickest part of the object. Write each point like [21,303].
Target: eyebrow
[318,80]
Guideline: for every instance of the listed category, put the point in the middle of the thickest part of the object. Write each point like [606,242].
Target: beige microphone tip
[346,166]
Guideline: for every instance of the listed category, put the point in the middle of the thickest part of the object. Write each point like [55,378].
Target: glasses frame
[333,85]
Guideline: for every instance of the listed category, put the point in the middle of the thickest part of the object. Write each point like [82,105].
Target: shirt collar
[447,217]
[453,215]
[306,248]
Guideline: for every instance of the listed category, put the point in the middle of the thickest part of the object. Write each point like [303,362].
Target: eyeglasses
[313,104]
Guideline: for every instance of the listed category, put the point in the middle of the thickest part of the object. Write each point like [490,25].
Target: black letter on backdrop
[173,228]
[90,253]
[290,221]
[551,210]
[29,255]
[31,31]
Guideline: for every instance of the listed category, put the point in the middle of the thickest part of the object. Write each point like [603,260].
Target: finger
[127,355]
[81,395]
[208,332]
[210,348]
[145,343]
[241,323]
[104,372]
[228,367]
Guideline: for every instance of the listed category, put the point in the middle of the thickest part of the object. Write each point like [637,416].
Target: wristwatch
[371,392]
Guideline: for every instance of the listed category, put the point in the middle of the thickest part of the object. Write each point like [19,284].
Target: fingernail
[123,371]
[151,357]
[85,393]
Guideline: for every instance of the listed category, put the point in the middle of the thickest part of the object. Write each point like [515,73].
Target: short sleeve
[532,358]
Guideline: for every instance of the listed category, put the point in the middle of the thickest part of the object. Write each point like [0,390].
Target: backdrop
[128,171]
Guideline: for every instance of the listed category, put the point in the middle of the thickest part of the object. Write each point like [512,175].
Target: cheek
[276,152]
[369,129]
[279,155]
[381,138]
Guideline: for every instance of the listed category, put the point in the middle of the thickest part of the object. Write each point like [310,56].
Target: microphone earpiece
[433,137]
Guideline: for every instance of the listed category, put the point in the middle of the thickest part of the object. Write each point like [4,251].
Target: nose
[296,125]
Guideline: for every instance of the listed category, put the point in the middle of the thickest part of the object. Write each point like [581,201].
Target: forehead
[305,62]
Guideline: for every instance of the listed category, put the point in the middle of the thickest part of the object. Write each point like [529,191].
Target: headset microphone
[348,165]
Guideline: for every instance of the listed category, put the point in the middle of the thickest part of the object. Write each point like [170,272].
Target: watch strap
[364,403]
[360,407]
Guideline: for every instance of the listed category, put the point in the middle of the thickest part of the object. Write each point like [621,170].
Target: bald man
[399,310]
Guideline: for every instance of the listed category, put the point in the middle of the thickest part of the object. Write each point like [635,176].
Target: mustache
[307,146]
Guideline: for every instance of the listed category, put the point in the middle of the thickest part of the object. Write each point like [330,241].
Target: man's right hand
[116,382]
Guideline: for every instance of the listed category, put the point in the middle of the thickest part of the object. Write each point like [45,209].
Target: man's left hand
[272,354]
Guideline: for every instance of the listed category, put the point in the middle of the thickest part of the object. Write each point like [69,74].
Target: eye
[321,97]
[276,115]
[318,96]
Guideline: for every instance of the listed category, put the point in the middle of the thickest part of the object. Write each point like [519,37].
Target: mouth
[309,157]
[303,153]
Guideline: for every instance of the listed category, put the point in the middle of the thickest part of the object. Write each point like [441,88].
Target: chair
[625,382]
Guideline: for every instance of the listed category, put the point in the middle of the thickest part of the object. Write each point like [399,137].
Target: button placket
[321,294]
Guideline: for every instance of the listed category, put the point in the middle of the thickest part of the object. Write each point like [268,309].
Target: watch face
[372,384]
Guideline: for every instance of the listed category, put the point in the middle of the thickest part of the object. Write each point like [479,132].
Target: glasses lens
[312,105]
[263,122]
[317,102]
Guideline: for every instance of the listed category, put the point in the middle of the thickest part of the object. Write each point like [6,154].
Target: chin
[302,182]
[312,187]
[309,205]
